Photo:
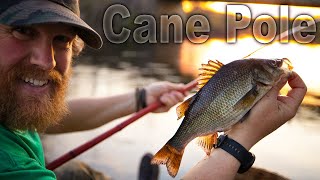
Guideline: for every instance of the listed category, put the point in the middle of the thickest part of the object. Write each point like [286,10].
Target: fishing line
[283,35]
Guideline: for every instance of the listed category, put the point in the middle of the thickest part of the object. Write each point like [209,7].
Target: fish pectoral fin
[207,71]
[247,99]
[207,142]
[169,156]
[183,107]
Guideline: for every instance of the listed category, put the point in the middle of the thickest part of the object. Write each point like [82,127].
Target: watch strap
[231,146]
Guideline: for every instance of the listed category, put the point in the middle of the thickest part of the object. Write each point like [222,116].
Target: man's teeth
[35,82]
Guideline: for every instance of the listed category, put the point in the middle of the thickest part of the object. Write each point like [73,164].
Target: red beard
[19,111]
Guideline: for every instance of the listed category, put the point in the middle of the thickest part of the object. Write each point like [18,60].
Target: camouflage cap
[29,12]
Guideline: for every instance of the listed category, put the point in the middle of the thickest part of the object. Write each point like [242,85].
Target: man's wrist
[243,136]
[239,152]
[245,142]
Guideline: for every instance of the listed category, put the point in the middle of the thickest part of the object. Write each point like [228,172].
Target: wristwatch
[232,147]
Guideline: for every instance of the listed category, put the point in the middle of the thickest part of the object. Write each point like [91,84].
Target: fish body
[223,101]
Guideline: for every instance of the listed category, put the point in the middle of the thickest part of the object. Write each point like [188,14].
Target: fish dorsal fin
[207,71]
[182,108]
[207,142]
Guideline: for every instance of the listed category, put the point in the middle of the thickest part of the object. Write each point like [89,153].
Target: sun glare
[256,9]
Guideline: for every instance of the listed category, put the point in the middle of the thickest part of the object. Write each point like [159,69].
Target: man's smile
[35,82]
[35,86]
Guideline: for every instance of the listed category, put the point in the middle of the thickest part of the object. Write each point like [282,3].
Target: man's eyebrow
[29,27]
[71,31]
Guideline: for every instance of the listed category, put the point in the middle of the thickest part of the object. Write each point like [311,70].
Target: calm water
[291,151]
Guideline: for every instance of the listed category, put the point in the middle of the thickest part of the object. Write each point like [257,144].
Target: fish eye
[276,62]
[273,63]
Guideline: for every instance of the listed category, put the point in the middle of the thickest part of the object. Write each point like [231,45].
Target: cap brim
[40,12]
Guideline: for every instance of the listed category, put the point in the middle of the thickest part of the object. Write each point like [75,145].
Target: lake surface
[292,150]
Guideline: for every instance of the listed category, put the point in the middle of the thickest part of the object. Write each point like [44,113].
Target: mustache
[25,71]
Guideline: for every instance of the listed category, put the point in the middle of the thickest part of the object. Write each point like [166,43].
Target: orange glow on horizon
[256,9]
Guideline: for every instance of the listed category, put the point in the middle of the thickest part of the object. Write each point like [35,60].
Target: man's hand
[168,93]
[270,112]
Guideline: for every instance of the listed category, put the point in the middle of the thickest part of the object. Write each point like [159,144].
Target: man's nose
[43,54]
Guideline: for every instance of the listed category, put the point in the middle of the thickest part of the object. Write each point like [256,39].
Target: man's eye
[23,33]
[63,39]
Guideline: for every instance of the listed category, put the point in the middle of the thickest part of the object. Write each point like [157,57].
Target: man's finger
[178,96]
[177,87]
[166,100]
[299,88]
[297,93]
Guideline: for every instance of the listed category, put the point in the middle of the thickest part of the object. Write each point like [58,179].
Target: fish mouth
[286,64]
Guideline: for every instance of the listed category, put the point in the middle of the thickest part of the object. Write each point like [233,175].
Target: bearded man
[38,40]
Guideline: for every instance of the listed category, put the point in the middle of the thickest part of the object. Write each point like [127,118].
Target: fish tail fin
[169,156]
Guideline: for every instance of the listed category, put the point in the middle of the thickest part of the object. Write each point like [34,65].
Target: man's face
[35,66]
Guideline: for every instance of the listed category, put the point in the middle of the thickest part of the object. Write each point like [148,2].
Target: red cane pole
[77,151]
